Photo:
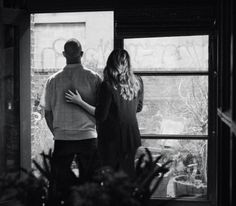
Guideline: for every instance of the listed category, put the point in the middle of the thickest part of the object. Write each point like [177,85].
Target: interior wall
[226,80]
[2,151]
[13,64]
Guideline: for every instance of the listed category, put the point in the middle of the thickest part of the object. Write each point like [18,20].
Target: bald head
[72,50]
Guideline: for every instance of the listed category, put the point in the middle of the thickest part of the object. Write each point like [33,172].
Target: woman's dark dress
[118,132]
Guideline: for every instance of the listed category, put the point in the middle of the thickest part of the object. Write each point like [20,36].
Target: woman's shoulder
[106,85]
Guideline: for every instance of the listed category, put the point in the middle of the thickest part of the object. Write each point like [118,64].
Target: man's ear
[81,53]
[64,54]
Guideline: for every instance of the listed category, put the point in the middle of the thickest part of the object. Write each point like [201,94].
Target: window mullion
[171,73]
[193,137]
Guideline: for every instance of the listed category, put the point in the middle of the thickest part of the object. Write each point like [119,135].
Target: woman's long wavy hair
[118,73]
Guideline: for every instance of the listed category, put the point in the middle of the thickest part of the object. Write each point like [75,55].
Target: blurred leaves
[106,188]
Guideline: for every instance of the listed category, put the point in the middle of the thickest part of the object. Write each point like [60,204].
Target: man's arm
[49,119]
[46,104]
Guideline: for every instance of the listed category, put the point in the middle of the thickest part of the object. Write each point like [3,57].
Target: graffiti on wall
[168,53]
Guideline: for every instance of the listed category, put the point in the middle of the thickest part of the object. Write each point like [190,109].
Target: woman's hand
[77,99]
[73,97]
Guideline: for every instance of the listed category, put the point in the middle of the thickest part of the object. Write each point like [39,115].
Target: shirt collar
[77,65]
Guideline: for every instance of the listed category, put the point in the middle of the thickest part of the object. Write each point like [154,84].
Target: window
[174,120]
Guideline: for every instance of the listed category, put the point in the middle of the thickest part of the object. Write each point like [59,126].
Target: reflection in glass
[188,171]
[174,105]
[184,53]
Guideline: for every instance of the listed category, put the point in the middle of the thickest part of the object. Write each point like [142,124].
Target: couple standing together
[92,118]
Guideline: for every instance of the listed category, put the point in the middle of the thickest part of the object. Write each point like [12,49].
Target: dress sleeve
[140,95]
[104,102]
[97,88]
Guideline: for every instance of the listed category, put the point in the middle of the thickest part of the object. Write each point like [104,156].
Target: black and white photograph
[117,103]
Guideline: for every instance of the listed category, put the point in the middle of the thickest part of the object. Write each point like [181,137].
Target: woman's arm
[104,102]
[103,106]
[77,99]
[140,94]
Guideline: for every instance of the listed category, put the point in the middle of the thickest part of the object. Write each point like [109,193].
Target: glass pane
[175,105]
[184,53]
[188,171]
[49,32]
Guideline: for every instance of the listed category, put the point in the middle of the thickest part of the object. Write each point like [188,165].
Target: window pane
[185,53]
[188,171]
[175,105]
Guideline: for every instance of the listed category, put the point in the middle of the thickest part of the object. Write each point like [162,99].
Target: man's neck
[73,61]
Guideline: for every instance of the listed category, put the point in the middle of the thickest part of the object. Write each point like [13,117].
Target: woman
[120,97]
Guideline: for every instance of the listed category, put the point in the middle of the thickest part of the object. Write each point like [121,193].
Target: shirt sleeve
[46,97]
[104,102]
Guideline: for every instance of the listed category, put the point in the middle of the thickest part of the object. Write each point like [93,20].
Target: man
[74,130]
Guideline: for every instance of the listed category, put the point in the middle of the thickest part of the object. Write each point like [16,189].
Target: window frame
[211,136]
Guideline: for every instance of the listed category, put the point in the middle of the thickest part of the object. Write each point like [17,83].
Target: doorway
[49,32]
